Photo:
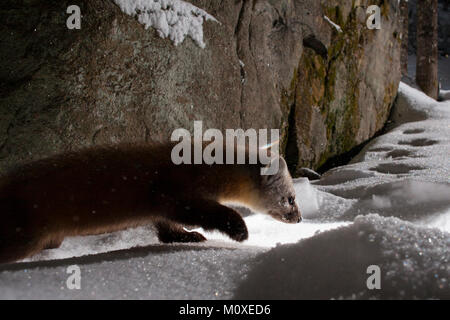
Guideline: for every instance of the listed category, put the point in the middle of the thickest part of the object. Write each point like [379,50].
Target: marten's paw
[236,229]
[169,232]
[191,236]
[181,236]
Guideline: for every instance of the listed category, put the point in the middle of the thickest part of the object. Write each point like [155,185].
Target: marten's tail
[16,239]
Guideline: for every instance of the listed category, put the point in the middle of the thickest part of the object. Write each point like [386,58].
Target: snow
[268,233]
[444,94]
[440,221]
[414,263]
[155,272]
[334,25]
[389,207]
[173,19]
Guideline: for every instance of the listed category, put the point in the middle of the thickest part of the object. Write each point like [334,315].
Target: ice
[389,207]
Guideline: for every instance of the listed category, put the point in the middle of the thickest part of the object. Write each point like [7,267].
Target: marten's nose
[292,217]
[298,214]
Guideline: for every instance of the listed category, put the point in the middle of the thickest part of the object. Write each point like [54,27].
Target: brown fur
[101,190]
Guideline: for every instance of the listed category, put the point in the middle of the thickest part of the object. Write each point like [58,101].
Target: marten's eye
[291,201]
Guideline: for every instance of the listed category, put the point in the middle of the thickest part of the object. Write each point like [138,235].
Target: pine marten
[105,189]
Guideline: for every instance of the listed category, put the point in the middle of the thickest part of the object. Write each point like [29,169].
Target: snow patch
[337,27]
[173,19]
[306,197]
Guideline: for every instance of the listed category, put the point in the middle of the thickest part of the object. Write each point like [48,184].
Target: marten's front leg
[211,215]
[169,232]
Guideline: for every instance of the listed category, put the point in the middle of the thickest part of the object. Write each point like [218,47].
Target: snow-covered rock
[173,19]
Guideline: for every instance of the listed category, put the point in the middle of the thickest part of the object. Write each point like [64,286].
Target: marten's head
[276,195]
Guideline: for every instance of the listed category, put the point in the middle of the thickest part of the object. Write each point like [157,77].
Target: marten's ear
[269,147]
[273,169]
[282,164]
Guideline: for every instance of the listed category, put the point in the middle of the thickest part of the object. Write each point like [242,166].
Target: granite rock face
[267,64]
[342,99]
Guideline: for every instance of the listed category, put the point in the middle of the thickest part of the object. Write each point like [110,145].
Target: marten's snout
[293,216]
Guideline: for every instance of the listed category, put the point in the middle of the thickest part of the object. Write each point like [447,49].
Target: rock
[268,64]
[307,173]
[341,100]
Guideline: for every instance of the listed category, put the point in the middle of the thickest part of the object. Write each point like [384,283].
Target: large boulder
[343,97]
[267,64]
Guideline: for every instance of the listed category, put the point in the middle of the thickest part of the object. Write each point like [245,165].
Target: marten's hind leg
[19,248]
[17,240]
[169,232]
